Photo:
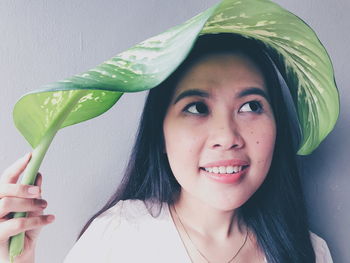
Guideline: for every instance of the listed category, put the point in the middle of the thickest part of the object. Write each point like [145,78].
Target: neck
[205,220]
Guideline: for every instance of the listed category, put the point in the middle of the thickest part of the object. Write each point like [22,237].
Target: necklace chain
[234,256]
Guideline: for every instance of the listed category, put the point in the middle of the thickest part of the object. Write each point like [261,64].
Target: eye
[198,108]
[253,106]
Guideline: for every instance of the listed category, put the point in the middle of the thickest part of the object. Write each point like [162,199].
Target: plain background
[46,41]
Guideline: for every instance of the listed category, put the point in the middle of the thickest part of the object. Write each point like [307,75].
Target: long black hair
[276,212]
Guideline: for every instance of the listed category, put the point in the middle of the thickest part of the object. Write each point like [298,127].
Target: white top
[128,233]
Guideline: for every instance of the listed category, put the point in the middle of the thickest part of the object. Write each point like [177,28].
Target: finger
[12,173]
[36,213]
[15,226]
[19,190]
[29,214]
[10,205]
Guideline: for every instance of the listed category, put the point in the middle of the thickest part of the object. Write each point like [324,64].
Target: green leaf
[295,48]
[36,113]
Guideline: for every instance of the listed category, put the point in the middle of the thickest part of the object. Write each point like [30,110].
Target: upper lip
[232,162]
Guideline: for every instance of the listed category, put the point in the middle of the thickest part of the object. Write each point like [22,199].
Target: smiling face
[220,131]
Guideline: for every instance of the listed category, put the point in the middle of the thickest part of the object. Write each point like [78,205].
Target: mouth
[225,174]
[224,169]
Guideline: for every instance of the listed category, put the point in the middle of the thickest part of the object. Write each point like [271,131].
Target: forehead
[233,70]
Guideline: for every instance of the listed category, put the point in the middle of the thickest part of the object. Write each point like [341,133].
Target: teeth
[230,169]
[224,170]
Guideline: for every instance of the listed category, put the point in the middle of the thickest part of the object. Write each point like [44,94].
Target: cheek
[260,148]
[182,145]
[262,144]
[178,138]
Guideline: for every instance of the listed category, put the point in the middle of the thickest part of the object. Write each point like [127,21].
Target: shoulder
[132,211]
[124,209]
[126,214]
[321,249]
[121,228]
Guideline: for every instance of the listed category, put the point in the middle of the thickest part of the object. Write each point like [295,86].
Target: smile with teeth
[224,169]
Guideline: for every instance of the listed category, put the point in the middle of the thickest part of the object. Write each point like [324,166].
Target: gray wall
[45,41]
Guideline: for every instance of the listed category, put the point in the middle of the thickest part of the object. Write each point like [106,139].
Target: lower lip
[226,178]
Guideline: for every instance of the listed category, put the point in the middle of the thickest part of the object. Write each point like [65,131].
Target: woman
[212,176]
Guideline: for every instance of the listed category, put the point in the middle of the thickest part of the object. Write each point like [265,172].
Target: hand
[16,197]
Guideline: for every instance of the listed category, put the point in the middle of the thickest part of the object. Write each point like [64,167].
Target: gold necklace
[234,256]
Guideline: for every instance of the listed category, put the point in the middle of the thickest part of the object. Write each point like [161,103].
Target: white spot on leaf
[86,97]
[262,23]
[264,33]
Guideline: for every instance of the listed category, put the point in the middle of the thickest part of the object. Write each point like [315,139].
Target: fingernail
[43,204]
[33,190]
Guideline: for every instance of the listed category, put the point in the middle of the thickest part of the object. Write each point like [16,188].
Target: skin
[221,127]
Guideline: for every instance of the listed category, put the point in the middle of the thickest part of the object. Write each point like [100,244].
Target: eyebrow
[190,93]
[253,91]
[204,94]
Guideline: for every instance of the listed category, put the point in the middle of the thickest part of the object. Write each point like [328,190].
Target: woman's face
[220,131]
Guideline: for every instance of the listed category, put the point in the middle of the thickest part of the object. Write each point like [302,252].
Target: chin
[227,206]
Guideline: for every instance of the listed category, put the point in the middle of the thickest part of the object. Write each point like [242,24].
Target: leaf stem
[29,175]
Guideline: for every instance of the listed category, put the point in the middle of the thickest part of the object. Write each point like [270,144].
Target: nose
[225,134]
